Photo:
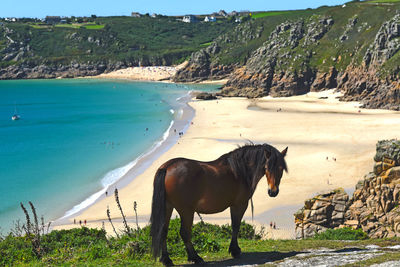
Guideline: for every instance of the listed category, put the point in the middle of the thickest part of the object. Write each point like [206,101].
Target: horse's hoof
[166,261]
[196,260]
[236,253]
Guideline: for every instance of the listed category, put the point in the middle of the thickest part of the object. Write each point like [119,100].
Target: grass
[94,27]
[268,14]
[383,1]
[160,41]
[205,44]
[28,245]
[91,247]
[341,234]
[89,26]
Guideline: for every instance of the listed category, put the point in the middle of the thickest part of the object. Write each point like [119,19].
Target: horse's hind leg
[237,213]
[165,259]
[186,234]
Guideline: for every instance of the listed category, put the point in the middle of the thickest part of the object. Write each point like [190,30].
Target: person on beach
[80,222]
[74,221]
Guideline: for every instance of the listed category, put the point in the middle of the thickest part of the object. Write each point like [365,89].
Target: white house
[189,19]
[210,19]
[136,14]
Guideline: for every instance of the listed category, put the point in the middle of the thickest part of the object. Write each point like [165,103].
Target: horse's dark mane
[248,162]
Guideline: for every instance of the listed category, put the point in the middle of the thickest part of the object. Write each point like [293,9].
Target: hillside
[353,47]
[30,49]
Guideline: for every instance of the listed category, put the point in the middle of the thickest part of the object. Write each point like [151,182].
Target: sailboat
[15,117]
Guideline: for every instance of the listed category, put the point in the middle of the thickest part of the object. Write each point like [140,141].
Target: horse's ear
[284,152]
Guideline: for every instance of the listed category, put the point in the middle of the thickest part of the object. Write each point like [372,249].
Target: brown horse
[192,186]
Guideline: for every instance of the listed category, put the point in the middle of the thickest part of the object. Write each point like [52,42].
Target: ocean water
[76,137]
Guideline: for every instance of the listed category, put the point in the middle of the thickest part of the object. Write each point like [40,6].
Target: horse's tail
[157,218]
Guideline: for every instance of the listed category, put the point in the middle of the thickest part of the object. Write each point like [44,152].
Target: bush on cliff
[346,233]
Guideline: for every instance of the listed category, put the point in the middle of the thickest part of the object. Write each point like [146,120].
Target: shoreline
[328,128]
[151,74]
[148,73]
[183,114]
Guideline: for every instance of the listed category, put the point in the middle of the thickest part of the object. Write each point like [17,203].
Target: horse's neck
[255,182]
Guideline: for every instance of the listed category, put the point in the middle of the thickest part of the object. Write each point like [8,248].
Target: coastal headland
[331,144]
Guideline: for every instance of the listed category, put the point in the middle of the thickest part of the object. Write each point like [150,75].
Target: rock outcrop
[205,64]
[355,54]
[200,67]
[206,96]
[320,213]
[273,68]
[374,206]
[375,202]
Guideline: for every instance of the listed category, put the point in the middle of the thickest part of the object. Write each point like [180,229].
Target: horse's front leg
[237,213]
[186,234]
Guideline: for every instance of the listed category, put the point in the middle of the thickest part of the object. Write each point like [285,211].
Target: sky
[42,8]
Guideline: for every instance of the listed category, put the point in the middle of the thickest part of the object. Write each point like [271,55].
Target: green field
[383,1]
[268,14]
[89,26]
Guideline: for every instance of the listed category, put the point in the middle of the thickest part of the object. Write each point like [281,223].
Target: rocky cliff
[32,49]
[351,47]
[374,206]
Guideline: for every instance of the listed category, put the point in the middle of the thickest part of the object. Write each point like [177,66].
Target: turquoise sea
[76,137]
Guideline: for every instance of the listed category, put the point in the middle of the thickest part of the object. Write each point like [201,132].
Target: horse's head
[274,166]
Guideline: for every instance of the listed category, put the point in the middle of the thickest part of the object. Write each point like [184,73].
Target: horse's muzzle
[273,193]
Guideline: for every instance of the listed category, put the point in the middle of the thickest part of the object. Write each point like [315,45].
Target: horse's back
[202,186]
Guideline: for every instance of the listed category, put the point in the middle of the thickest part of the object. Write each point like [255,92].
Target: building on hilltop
[233,14]
[52,19]
[189,19]
[210,19]
[136,14]
[244,12]
[10,19]
[222,13]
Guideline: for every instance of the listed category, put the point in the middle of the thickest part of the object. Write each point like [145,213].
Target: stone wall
[374,206]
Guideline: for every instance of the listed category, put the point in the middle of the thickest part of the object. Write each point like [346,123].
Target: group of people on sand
[272,225]
[80,222]
[334,159]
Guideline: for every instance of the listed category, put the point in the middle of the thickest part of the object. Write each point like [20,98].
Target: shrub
[342,234]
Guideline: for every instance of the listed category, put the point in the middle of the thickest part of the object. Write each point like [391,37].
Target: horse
[192,186]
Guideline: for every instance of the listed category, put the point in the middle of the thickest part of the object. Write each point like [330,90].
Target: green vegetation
[341,234]
[89,26]
[268,14]
[206,44]
[384,1]
[345,41]
[105,40]
[91,247]
[165,40]
[83,245]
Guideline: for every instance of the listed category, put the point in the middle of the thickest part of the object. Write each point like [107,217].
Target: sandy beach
[331,144]
[150,73]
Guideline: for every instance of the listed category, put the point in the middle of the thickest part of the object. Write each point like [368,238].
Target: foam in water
[113,176]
